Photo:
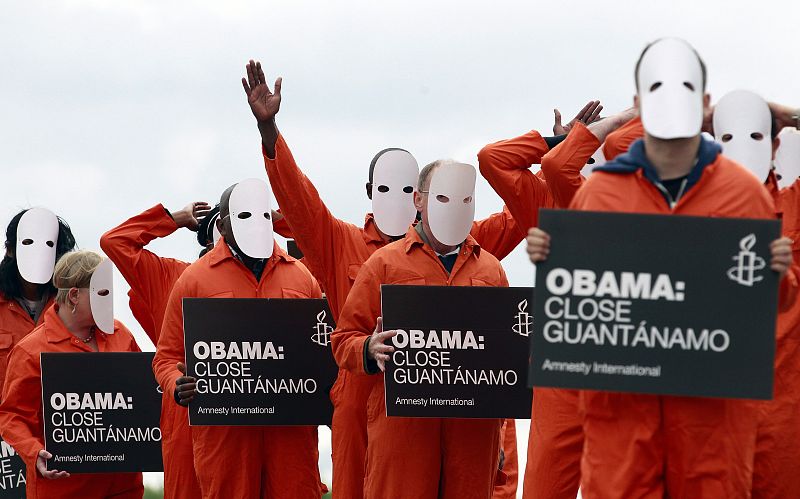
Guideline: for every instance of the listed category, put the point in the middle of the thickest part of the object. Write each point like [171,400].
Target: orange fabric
[776,473]
[620,140]
[334,251]
[505,165]
[505,485]
[562,166]
[15,324]
[21,410]
[646,446]
[242,462]
[151,278]
[555,440]
[444,458]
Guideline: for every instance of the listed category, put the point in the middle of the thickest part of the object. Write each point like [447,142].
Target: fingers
[585,111]
[260,74]
[181,367]
[246,87]
[538,245]
[557,114]
[382,337]
[781,250]
[379,325]
[278,83]
[251,74]
[381,364]
[45,455]
[595,113]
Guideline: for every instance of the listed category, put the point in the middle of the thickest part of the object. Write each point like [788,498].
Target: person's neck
[68,318]
[441,249]
[31,291]
[386,238]
[672,158]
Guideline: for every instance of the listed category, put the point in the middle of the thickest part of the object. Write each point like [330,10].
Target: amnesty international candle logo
[322,335]
[747,263]
[524,321]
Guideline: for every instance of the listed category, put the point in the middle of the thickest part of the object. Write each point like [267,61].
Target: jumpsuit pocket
[479,282]
[222,294]
[6,342]
[293,293]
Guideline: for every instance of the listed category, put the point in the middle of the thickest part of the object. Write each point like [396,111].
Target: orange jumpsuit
[15,324]
[21,411]
[620,140]
[555,441]
[419,457]
[649,446]
[776,473]
[245,462]
[151,278]
[334,251]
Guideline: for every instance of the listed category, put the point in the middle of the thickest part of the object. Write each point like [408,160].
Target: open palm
[264,103]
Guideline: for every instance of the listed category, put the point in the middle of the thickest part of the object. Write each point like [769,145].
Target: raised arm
[498,233]
[149,275]
[313,226]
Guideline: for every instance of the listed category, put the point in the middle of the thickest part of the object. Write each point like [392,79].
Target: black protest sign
[259,361]
[460,352]
[12,473]
[101,412]
[656,304]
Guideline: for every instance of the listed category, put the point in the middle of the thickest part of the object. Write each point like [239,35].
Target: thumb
[558,116]
[44,454]
[379,325]
[277,88]
[181,367]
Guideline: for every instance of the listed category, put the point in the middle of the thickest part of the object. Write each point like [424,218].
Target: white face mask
[671,90]
[394,180]
[101,296]
[251,218]
[742,126]
[451,202]
[787,157]
[37,238]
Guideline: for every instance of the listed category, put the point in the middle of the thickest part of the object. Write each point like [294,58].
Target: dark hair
[377,156]
[205,229]
[641,56]
[10,280]
[774,130]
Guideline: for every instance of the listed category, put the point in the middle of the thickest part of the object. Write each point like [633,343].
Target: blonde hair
[74,270]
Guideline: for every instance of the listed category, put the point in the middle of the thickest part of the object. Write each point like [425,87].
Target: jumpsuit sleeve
[505,165]
[563,164]
[357,322]
[312,225]
[20,422]
[144,271]
[620,140]
[170,348]
[498,234]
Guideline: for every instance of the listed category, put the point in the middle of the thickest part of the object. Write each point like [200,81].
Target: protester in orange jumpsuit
[776,473]
[68,326]
[334,251]
[22,303]
[243,462]
[555,441]
[151,278]
[647,446]
[420,457]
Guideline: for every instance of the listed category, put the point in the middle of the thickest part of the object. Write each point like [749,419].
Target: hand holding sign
[538,244]
[185,387]
[781,250]
[378,350]
[41,467]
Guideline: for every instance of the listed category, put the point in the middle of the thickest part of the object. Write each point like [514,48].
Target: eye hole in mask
[727,137]
[267,215]
[688,85]
[50,243]
[468,200]
[408,189]
[442,198]
[757,136]
[655,86]
[27,242]
[244,215]
[383,188]
[103,292]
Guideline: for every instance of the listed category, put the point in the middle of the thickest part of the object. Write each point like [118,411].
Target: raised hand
[191,214]
[264,103]
[589,114]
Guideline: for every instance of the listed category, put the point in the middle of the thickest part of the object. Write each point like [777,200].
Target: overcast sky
[109,107]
